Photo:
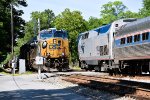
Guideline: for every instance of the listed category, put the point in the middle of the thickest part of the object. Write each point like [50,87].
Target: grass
[17,74]
[76,68]
[4,73]
[28,72]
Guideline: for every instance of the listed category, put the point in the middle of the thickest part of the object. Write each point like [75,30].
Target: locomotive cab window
[105,50]
[122,40]
[136,38]
[101,50]
[129,39]
[85,36]
[60,34]
[46,34]
[145,36]
[59,43]
[116,25]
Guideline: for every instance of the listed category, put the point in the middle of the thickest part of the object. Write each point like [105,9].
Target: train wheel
[139,70]
[104,67]
[83,65]
[110,71]
[97,69]
[63,67]
[59,69]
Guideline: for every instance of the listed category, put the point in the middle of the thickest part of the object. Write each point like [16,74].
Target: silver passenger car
[132,46]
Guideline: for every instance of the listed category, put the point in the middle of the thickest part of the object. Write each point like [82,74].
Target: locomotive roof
[53,30]
[135,26]
[95,29]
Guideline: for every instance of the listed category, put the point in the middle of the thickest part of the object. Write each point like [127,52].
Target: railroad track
[139,90]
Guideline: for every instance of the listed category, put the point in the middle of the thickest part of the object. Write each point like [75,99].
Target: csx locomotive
[122,46]
[54,47]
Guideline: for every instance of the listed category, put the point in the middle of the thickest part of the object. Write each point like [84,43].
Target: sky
[87,7]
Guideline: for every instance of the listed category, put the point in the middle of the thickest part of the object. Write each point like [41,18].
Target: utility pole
[38,25]
[39,59]
[35,27]
[12,30]
[39,49]
[12,40]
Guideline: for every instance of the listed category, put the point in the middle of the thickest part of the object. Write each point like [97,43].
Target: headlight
[44,44]
[54,41]
[63,54]
[48,54]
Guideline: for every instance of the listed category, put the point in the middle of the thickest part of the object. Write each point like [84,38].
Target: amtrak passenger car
[132,46]
[95,47]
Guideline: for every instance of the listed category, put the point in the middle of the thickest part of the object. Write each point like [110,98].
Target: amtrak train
[122,46]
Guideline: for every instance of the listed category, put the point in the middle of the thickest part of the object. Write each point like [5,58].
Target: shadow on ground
[53,94]
[38,95]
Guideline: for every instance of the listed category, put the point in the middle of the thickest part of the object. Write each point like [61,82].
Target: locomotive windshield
[46,35]
[78,38]
[60,34]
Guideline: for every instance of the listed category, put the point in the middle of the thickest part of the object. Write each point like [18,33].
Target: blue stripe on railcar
[103,29]
[118,41]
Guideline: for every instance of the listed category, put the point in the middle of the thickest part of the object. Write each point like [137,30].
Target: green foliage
[116,10]
[9,56]
[73,23]
[1,24]
[94,23]
[5,27]
[146,5]
[46,17]
[21,41]
[129,14]
[112,11]
[145,11]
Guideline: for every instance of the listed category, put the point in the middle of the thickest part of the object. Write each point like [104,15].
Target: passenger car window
[122,41]
[145,36]
[129,39]
[136,38]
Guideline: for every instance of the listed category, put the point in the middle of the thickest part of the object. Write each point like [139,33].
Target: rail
[139,90]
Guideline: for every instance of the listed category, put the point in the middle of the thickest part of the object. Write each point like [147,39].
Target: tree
[30,29]
[129,14]
[5,34]
[94,22]
[145,11]
[112,11]
[116,10]
[74,24]
[46,17]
